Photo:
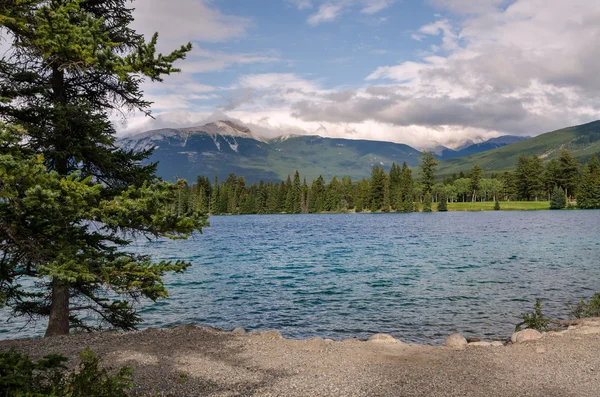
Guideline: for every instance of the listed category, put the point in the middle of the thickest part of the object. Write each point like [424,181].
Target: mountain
[582,141]
[472,148]
[223,147]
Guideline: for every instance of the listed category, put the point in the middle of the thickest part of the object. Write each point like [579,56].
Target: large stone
[497,343]
[383,338]
[456,341]
[238,331]
[473,340]
[525,336]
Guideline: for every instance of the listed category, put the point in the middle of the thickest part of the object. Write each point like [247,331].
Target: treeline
[398,190]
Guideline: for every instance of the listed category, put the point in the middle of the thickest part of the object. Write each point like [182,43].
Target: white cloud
[330,10]
[327,12]
[524,68]
[374,6]
[200,60]
[187,20]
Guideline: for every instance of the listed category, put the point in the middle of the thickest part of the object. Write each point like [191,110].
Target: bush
[558,201]
[497,206]
[443,205]
[534,320]
[22,377]
[587,309]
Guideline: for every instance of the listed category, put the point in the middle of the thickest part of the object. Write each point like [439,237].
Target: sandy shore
[189,361]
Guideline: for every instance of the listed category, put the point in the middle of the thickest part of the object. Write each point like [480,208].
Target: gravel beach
[191,361]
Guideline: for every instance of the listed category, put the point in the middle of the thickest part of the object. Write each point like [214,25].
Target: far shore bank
[452,207]
[192,361]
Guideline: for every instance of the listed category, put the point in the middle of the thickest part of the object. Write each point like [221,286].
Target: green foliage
[443,205]
[558,201]
[20,376]
[588,196]
[587,309]
[497,206]
[427,203]
[534,320]
[69,197]
[475,176]
[428,167]
[580,141]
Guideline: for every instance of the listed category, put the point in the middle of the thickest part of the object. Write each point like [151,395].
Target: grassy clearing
[504,205]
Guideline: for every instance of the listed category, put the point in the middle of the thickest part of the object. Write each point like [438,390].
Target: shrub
[497,206]
[443,205]
[558,201]
[534,320]
[20,376]
[587,309]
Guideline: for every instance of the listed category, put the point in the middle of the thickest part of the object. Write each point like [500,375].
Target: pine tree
[378,185]
[476,177]
[558,199]
[317,195]
[588,196]
[568,173]
[75,62]
[406,189]
[428,168]
[497,206]
[296,194]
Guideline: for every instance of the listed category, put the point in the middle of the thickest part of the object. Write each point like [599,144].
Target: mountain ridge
[223,147]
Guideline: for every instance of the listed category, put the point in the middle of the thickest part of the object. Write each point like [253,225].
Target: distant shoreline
[452,207]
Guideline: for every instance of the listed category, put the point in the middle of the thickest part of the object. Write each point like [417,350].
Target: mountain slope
[474,148]
[222,148]
[582,141]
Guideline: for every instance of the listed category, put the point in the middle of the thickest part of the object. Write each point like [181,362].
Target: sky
[420,72]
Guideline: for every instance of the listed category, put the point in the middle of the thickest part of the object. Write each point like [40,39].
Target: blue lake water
[419,277]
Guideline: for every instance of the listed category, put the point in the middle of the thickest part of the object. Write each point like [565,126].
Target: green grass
[504,206]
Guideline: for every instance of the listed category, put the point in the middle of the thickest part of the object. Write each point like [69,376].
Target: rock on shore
[191,361]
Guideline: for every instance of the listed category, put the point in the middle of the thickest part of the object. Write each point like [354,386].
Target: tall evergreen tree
[73,62]
[476,175]
[588,196]
[428,168]
[378,184]
[568,174]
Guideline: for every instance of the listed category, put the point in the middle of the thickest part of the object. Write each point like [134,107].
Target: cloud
[330,10]
[521,68]
[440,27]
[188,20]
[327,12]
[200,60]
[374,6]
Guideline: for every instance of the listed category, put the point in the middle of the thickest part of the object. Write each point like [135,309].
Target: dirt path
[188,361]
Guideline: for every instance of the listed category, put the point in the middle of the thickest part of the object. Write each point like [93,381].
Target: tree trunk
[58,324]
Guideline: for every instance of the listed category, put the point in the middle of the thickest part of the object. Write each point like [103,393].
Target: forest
[562,181]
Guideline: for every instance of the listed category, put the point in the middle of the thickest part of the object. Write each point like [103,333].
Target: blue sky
[421,72]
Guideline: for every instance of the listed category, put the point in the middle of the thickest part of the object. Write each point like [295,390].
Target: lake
[418,277]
